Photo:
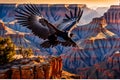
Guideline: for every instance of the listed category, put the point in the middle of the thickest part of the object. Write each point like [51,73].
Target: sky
[90,3]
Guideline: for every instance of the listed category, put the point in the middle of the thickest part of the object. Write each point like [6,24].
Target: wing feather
[80,14]
[71,20]
[71,14]
[67,16]
[30,17]
[75,13]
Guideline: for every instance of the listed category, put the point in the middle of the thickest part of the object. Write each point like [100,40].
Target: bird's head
[70,35]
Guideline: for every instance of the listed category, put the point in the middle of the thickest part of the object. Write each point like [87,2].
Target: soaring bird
[30,16]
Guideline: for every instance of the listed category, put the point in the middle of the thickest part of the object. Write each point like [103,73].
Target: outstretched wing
[71,20]
[30,17]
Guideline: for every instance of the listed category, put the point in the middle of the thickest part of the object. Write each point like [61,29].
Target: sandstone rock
[15,72]
[25,61]
[60,66]
[112,14]
[2,26]
[53,62]
[35,59]
[38,72]
[47,70]
[56,65]
[4,74]
[32,69]
[27,72]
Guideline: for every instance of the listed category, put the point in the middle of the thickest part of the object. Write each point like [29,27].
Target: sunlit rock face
[33,68]
[2,28]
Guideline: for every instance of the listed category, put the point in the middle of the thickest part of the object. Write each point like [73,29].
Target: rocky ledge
[33,68]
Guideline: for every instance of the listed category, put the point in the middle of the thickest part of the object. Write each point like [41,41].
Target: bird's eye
[71,35]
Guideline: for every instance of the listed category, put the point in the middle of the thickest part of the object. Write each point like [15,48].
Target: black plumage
[29,16]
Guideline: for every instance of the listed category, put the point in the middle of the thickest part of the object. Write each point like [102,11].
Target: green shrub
[7,50]
[25,52]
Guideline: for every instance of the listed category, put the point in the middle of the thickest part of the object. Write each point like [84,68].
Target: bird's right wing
[71,20]
[30,17]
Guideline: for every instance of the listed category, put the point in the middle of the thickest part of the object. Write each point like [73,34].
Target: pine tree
[7,50]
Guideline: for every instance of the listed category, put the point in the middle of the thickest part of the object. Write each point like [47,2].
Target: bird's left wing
[29,16]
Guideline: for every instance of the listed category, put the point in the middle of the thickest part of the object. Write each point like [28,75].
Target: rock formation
[33,68]
[112,15]
[108,69]
[2,28]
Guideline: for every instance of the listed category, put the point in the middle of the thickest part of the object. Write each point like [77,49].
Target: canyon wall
[33,68]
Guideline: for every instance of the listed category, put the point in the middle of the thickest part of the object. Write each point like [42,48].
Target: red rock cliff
[34,68]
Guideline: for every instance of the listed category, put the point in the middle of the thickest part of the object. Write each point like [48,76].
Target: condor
[29,16]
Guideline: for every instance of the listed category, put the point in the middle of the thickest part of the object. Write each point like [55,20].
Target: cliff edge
[33,68]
